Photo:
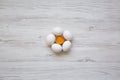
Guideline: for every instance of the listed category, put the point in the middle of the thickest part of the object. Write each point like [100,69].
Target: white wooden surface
[95,54]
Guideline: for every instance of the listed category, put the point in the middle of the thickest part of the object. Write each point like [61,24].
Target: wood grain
[95,53]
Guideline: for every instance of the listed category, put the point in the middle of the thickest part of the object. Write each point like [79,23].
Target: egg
[57,31]
[66,46]
[50,39]
[56,48]
[67,35]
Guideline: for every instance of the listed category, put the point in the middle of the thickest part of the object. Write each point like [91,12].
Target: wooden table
[95,53]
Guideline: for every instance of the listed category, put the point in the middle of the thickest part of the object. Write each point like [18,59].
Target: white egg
[57,31]
[56,48]
[66,45]
[67,35]
[50,39]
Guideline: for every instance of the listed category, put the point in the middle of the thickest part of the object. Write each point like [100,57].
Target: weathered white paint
[95,53]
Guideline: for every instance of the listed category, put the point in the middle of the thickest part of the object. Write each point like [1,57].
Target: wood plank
[95,52]
[59,70]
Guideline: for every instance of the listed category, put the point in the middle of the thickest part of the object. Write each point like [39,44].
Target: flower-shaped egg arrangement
[59,40]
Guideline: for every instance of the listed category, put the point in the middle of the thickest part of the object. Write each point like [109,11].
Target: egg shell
[56,48]
[57,31]
[66,45]
[67,35]
[50,39]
